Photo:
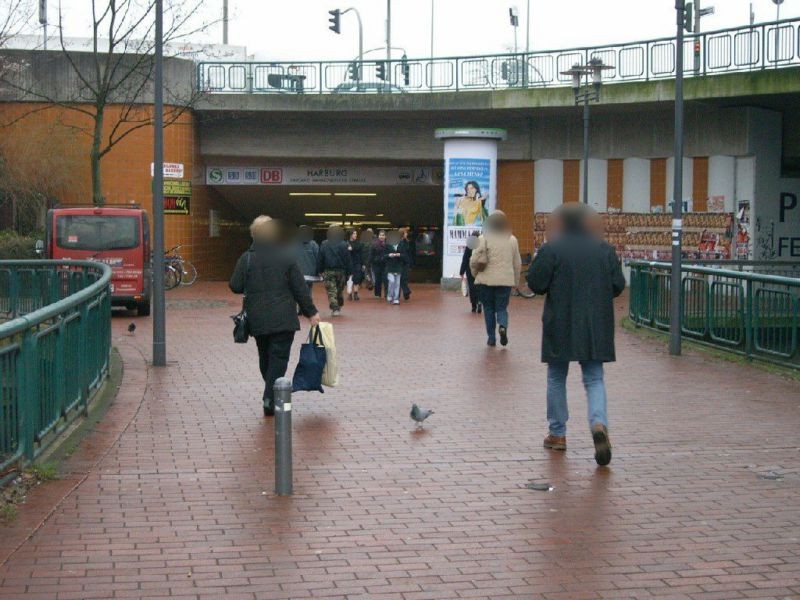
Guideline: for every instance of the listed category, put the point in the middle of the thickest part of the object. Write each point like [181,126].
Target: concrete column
[470,190]
[636,185]
[598,183]
[548,184]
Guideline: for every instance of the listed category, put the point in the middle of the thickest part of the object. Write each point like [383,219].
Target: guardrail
[752,314]
[723,51]
[54,349]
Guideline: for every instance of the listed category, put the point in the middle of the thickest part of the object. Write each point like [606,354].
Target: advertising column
[470,190]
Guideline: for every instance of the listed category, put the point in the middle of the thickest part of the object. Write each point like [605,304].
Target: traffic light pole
[677,191]
[389,42]
[159,309]
[360,42]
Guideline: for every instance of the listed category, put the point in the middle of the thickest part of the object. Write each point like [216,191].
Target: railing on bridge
[55,339]
[723,51]
[754,314]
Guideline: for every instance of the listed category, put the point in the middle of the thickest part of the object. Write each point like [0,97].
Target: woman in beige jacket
[496,265]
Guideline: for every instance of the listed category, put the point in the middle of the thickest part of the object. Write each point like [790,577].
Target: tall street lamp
[777,27]
[586,91]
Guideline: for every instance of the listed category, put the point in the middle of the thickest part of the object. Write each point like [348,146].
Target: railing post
[28,394]
[13,293]
[748,319]
[83,362]
[283,436]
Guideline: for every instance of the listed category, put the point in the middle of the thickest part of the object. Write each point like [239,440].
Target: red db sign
[271,176]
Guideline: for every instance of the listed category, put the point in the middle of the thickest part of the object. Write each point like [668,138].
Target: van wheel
[143,308]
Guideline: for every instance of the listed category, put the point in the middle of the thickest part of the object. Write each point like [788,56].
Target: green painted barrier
[55,341]
[753,314]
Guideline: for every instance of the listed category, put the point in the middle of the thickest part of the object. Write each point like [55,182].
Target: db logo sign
[271,176]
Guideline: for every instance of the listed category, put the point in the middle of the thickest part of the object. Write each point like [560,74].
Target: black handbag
[241,328]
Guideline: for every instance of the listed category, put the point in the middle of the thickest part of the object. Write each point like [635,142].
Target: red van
[119,237]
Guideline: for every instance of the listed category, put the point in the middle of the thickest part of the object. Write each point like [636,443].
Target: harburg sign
[324,175]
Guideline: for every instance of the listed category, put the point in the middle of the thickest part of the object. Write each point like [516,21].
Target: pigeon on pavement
[419,414]
[131,328]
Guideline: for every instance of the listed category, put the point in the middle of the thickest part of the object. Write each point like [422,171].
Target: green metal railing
[752,314]
[55,340]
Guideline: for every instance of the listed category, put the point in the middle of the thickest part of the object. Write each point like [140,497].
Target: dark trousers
[404,282]
[474,298]
[273,358]
[495,307]
[380,279]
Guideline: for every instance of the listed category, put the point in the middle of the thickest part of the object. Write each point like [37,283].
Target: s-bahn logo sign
[324,175]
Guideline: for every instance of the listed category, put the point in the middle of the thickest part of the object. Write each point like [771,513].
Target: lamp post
[584,93]
[777,28]
[159,308]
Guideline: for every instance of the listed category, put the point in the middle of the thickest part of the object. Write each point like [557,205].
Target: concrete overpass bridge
[742,145]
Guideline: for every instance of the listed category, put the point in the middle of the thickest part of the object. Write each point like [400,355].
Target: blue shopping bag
[308,373]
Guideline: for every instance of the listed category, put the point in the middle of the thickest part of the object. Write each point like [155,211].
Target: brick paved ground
[182,505]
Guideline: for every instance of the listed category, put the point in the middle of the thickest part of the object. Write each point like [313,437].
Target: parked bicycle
[185,272]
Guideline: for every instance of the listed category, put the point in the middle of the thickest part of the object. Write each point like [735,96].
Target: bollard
[283,436]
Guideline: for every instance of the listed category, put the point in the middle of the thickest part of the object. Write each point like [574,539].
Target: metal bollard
[283,436]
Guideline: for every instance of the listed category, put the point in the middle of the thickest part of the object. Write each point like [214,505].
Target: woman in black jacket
[357,258]
[268,275]
[377,257]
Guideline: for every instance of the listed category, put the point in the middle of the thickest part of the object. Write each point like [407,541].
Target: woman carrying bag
[273,286]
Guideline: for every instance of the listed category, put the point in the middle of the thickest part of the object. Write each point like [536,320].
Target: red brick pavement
[181,504]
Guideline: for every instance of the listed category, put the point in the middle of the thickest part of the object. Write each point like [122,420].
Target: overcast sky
[298,29]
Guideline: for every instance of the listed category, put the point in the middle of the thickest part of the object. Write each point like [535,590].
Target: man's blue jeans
[557,412]
[495,300]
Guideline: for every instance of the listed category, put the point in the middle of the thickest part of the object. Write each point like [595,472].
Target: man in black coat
[581,275]
[407,249]
[268,275]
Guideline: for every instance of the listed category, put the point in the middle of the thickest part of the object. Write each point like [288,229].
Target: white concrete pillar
[722,181]
[598,184]
[548,184]
[636,185]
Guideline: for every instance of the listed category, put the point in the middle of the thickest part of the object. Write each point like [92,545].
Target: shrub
[14,246]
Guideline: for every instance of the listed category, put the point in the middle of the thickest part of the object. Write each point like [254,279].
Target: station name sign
[324,175]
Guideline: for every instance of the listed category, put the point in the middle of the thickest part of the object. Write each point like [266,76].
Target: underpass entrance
[356,197]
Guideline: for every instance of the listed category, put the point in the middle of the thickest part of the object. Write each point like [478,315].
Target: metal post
[389,43]
[225,22]
[677,192]
[283,436]
[586,147]
[527,44]
[696,28]
[433,5]
[777,28]
[159,312]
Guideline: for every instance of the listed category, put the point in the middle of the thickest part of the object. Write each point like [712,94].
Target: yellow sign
[177,188]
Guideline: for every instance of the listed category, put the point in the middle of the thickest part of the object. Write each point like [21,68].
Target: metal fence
[724,51]
[753,314]
[54,349]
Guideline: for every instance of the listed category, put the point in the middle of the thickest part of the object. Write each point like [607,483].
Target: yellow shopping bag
[330,375]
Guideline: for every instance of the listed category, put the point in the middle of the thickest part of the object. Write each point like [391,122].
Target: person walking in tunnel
[581,275]
[496,265]
[465,271]
[407,249]
[378,260]
[356,249]
[335,267]
[268,275]
[396,261]
[307,253]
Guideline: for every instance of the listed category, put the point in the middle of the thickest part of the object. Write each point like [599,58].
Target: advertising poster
[470,199]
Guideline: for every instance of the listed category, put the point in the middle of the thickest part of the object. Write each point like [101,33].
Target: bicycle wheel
[188,273]
[171,277]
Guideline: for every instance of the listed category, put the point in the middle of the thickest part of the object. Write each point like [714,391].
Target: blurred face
[471,191]
[472,242]
[553,227]
[393,237]
[335,234]
[595,225]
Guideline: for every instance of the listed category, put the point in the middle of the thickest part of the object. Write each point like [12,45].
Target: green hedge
[15,246]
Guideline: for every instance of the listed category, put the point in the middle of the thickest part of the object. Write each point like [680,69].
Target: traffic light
[688,17]
[335,20]
[352,71]
[380,70]
[405,69]
[504,71]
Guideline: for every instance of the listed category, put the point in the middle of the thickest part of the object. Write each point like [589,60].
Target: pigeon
[419,414]
[131,328]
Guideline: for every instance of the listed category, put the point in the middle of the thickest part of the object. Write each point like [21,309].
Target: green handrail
[753,314]
[54,350]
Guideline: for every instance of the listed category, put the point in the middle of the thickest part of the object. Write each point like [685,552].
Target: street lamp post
[159,308]
[584,93]
[513,14]
[777,28]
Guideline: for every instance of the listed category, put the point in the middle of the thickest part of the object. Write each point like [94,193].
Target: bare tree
[15,17]
[116,71]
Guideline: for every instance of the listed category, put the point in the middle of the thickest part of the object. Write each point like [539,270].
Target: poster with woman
[469,193]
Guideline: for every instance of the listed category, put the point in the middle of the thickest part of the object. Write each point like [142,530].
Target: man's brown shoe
[602,445]
[555,442]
